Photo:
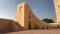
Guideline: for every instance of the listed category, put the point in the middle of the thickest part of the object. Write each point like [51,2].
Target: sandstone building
[25,19]
[57,9]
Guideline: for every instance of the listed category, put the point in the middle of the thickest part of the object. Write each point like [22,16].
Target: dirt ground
[35,32]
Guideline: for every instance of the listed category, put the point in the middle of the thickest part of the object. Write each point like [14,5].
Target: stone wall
[26,18]
[7,25]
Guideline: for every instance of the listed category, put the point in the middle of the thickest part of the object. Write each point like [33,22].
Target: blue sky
[41,8]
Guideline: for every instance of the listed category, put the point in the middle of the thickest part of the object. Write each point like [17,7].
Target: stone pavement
[36,32]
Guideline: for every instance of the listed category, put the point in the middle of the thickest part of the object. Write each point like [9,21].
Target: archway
[29,25]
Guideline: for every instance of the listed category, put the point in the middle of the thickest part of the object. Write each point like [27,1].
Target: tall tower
[20,14]
[57,10]
[23,14]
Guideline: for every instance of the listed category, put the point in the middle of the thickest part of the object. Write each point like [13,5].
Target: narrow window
[58,6]
[29,15]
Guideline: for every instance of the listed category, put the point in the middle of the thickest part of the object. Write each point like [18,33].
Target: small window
[29,15]
[58,6]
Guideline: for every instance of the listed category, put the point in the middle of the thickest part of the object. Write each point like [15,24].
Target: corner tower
[22,14]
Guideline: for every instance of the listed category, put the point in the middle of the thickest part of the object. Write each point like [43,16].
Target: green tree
[48,20]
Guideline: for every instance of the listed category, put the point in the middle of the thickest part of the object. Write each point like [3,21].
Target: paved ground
[36,32]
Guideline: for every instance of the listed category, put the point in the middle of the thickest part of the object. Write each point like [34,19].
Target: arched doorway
[29,25]
[36,26]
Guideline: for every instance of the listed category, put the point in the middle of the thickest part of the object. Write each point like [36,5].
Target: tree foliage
[48,20]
